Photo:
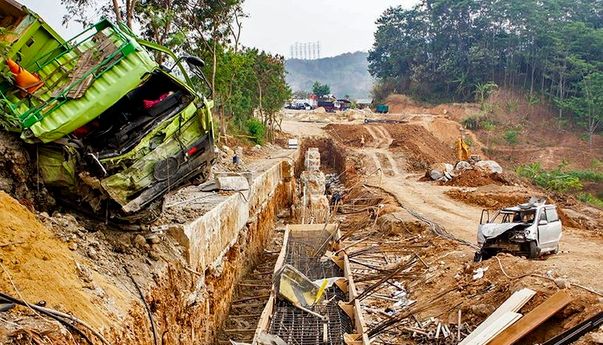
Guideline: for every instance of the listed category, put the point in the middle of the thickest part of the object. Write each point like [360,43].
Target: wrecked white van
[532,229]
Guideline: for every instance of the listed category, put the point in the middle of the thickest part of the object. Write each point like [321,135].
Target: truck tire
[533,251]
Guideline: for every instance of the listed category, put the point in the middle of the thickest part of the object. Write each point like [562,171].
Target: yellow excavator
[462,149]
[463,152]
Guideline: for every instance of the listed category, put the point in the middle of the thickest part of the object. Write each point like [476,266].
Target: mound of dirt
[43,268]
[476,178]
[495,197]
[352,135]
[402,104]
[421,147]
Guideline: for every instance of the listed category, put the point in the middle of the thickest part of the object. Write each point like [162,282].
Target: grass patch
[555,180]
[590,199]
[512,137]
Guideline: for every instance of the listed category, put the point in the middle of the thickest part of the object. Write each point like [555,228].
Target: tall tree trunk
[130,4]
[264,120]
[117,10]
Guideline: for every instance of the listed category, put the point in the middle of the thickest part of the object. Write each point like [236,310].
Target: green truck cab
[27,34]
[114,130]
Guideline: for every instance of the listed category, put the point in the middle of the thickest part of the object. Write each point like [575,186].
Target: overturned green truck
[112,129]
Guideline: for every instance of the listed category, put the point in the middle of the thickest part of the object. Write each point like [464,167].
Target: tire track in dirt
[385,135]
[377,138]
[461,219]
[379,151]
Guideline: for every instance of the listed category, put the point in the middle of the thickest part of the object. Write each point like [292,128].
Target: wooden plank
[280,261]
[264,322]
[493,329]
[513,303]
[533,319]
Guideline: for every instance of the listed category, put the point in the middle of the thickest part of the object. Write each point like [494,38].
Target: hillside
[347,74]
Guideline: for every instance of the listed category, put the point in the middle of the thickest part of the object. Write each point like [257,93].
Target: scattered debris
[479,273]
[471,173]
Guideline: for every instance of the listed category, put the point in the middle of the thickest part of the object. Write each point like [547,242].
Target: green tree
[588,106]
[321,90]
[449,49]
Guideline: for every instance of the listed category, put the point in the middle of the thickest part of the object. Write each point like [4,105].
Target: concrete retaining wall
[208,238]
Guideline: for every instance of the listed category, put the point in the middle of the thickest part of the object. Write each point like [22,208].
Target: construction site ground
[393,219]
[388,162]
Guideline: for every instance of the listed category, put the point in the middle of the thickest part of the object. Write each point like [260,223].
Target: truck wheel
[533,251]
[478,256]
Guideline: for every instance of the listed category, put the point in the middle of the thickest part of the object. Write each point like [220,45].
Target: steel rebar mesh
[296,326]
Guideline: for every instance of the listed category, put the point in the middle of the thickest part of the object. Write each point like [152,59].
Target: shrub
[554,180]
[587,175]
[478,121]
[256,130]
[512,137]
[487,125]
[471,122]
[590,199]
[511,106]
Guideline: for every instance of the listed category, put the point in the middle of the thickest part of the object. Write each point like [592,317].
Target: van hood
[491,230]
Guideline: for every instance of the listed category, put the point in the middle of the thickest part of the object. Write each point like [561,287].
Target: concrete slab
[208,224]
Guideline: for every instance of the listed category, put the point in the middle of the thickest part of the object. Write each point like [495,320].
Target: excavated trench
[253,290]
[202,275]
[173,284]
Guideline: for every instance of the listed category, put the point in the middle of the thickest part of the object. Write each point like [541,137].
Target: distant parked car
[299,106]
[328,106]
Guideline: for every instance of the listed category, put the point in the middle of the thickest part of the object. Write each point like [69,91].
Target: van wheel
[533,251]
[478,256]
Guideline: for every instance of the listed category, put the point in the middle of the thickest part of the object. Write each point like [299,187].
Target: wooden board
[513,303]
[502,323]
[533,319]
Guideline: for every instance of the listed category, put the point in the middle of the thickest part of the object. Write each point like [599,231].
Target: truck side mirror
[194,61]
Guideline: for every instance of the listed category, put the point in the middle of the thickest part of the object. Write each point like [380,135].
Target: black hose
[65,319]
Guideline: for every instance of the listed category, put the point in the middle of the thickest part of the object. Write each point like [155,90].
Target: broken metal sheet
[296,288]
[574,333]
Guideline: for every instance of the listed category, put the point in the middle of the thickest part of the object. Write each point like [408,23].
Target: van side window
[551,215]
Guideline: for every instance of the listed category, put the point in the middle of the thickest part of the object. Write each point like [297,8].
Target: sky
[274,25]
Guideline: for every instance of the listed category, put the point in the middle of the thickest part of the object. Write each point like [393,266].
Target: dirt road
[580,256]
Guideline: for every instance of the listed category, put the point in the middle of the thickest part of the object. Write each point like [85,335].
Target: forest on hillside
[459,50]
[346,74]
